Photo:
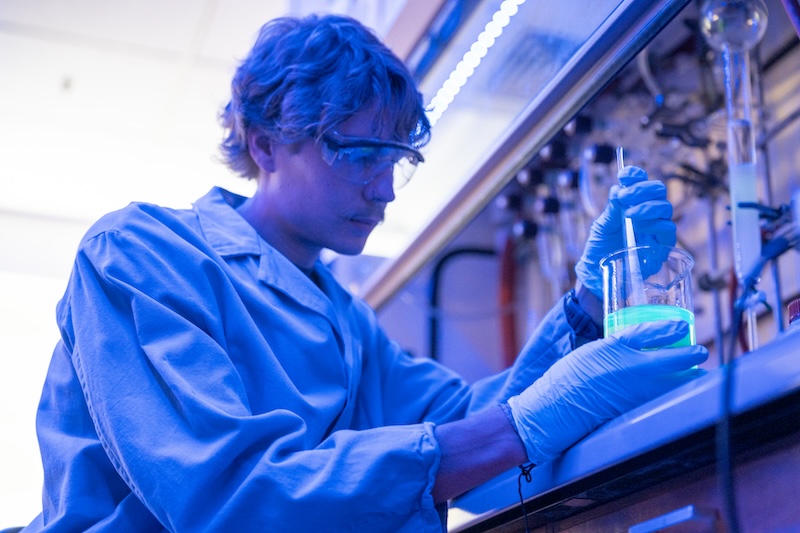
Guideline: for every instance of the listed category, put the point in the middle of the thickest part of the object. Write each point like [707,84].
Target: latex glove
[645,202]
[549,342]
[600,381]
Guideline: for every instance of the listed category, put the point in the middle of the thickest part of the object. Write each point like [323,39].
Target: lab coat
[204,383]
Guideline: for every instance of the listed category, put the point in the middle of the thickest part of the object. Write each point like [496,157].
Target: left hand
[645,203]
[599,381]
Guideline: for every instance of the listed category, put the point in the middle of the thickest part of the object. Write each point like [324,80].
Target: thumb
[630,175]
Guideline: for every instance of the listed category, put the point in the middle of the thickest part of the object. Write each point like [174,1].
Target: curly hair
[306,75]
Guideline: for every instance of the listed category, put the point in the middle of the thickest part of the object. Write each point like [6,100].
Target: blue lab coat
[205,383]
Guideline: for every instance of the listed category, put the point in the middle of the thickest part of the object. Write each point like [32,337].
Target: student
[213,376]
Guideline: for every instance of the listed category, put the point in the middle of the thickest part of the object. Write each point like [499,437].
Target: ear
[260,148]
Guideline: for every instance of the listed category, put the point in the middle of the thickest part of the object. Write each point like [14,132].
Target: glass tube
[734,27]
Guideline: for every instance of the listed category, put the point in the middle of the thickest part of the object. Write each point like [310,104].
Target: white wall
[35,262]
[28,334]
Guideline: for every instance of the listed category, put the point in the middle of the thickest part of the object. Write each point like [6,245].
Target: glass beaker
[664,291]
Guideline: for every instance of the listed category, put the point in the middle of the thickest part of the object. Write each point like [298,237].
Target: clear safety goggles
[360,160]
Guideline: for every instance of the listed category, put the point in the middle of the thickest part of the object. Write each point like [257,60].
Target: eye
[364,155]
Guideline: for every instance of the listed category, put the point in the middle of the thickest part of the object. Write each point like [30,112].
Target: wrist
[507,411]
[517,420]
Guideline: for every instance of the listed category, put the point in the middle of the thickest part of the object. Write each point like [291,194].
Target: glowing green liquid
[639,314]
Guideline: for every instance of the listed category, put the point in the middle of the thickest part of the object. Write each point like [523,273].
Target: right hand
[600,381]
[645,202]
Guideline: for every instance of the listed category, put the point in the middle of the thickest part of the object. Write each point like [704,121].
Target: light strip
[466,67]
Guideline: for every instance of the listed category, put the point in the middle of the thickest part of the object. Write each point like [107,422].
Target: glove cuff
[507,411]
[579,320]
[529,440]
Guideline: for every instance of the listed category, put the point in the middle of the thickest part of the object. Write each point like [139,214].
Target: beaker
[664,291]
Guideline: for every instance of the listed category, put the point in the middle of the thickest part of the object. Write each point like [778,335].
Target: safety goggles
[360,160]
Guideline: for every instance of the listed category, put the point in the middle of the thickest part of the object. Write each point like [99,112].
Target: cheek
[319,201]
[335,190]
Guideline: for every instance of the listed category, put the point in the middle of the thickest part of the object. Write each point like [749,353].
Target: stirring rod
[637,282]
[630,237]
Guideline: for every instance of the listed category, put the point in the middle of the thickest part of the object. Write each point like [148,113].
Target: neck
[254,214]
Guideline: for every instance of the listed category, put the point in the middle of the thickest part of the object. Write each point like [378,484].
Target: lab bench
[655,468]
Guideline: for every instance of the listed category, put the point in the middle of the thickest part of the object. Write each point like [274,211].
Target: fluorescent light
[472,58]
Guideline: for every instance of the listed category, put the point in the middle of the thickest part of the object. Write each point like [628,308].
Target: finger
[666,238]
[613,193]
[662,233]
[652,209]
[655,227]
[674,379]
[680,359]
[631,174]
[654,334]
[641,192]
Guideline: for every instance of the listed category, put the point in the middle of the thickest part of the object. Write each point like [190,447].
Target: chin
[351,249]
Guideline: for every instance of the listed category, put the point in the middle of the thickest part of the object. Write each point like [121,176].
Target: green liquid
[639,314]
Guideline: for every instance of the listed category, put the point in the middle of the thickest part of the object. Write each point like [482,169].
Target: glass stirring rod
[630,238]
[637,295]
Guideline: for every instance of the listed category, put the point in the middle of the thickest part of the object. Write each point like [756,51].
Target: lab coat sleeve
[172,414]
[551,340]
[412,389]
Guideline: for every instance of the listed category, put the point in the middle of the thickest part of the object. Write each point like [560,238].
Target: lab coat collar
[230,235]
[226,231]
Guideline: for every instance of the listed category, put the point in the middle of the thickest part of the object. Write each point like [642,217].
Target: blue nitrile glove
[599,381]
[645,202]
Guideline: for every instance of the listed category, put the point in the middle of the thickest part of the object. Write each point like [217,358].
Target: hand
[599,381]
[645,202]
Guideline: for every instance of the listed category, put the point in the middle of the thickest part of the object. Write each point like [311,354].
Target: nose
[381,189]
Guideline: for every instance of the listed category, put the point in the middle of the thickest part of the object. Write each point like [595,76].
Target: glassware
[734,27]
[665,293]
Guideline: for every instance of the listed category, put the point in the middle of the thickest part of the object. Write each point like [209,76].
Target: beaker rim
[613,256]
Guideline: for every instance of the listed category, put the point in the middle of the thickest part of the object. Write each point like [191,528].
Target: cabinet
[767,488]
[662,458]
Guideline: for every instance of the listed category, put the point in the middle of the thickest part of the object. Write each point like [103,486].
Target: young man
[213,376]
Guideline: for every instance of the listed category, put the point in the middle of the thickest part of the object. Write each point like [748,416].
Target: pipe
[433,321]
[508,316]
